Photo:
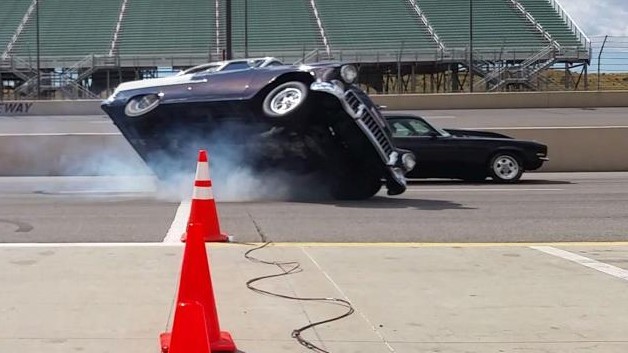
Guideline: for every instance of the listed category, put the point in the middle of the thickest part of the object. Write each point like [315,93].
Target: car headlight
[409,161]
[141,105]
[349,73]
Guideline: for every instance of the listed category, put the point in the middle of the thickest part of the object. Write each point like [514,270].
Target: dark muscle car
[307,119]
[464,154]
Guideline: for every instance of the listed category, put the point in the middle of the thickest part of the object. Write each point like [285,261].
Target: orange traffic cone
[195,286]
[189,331]
[203,209]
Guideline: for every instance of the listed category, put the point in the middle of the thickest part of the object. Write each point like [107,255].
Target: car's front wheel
[505,167]
[285,101]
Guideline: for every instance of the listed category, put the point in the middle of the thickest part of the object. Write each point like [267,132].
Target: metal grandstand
[84,48]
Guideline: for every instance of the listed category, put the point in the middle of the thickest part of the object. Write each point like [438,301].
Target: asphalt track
[544,207]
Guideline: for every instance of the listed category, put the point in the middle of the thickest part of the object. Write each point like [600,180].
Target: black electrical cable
[288,268]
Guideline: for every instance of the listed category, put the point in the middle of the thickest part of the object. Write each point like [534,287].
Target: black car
[464,154]
[305,119]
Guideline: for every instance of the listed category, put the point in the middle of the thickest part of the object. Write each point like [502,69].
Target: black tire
[285,101]
[359,187]
[505,167]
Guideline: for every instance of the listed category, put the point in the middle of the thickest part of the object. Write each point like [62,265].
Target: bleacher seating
[70,28]
[373,25]
[495,24]
[275,26]
[544,13]
[11,14]
[168,27]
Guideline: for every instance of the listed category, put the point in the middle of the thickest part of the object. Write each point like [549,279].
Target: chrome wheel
[286,101]
[506,168]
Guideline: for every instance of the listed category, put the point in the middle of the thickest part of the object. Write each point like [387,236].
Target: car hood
[477,133]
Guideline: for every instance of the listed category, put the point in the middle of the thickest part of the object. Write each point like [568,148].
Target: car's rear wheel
[285,101]
[505,167]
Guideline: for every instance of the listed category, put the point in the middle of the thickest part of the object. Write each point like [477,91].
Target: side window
[274,63]
[400,129]
[237,66]
[410,127]
[420,128]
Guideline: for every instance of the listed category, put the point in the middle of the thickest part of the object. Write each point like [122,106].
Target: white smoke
[233,179]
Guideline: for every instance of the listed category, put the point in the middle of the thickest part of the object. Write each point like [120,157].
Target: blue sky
[599,17]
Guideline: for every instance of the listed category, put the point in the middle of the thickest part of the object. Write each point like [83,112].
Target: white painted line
[474,190]
[179,223]
[368,322]
[584,261]
[62,134]
[86,245]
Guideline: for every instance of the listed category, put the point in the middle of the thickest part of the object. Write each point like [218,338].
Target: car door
[437,153]
[226,84]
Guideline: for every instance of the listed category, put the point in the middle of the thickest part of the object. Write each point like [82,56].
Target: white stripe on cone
[202,171]
[202,193]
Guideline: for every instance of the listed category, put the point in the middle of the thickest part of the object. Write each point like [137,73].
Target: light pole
[246,28]
[470,45]
[229,54]
[38,52]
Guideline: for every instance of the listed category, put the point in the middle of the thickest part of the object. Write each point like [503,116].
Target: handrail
[321,28]
[523,71]
[312,54]
[19,29]
[118,28]
[571,23]
[427,24]
[217,20]
[535,23]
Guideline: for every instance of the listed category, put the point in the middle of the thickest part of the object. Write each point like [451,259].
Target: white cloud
[599,17]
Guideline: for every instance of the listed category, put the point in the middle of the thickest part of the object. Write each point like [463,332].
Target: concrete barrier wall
[570,150]
[579,149]
[58,155]
[393,102]
[50,108]
[503,100]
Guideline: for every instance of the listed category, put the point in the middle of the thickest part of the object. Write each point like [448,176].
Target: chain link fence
[609,65]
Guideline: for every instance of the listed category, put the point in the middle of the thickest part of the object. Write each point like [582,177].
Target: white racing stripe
[584,261]
[475,190]
[179,223]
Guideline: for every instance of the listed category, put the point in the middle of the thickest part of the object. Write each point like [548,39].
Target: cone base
[209,238]
[224,344]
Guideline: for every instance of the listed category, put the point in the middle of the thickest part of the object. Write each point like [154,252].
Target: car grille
[369,122]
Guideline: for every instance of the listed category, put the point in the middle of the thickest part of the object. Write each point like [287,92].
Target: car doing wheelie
[307,119]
